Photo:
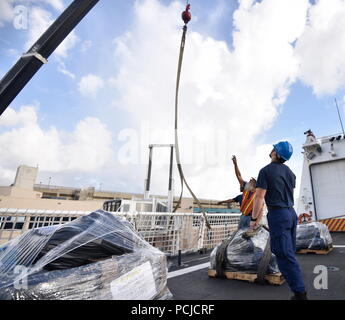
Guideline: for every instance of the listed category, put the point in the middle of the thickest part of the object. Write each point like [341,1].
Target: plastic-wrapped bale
[313,236]
[95,257]
[244,254]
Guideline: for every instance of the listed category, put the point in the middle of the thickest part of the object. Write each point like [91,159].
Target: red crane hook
[186,15]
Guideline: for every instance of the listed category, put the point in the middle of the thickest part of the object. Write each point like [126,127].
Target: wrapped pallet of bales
[95,257]
[313,236]
[246,255]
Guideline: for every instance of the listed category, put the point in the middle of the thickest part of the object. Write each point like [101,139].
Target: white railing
[169,232]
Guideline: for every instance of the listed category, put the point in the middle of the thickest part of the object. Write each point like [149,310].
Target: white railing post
[201,233]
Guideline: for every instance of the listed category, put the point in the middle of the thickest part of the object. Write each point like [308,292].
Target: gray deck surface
[197,285]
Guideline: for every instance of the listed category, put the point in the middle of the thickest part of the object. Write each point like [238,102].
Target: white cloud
[56,4]
[12,53]
[11,118]
[6,12]
[86,45]
[90,143]
[90,84]
[62,68]
[321,47]
[86,149]
[227,97]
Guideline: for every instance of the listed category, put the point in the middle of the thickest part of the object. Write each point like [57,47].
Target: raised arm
[237,171]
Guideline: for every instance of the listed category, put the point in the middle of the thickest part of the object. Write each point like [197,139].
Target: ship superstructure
[322,192]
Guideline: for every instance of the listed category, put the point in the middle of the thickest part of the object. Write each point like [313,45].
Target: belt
[271,208]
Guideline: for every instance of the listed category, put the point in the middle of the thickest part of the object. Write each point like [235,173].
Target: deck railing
[169,232]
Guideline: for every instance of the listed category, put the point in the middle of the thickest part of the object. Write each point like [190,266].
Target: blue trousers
[282,224]
[244,222]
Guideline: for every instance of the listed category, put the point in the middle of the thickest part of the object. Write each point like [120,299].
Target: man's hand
[234,160]
[253,224]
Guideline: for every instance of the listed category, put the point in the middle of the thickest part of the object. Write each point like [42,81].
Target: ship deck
[191,282]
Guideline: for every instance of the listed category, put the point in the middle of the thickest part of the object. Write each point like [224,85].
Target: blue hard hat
[283,149]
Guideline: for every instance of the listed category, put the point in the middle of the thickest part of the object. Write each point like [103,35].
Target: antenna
[336,103]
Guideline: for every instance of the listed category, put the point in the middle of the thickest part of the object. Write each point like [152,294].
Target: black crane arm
[30,62]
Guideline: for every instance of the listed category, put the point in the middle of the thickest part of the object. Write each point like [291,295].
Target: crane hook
[186,15]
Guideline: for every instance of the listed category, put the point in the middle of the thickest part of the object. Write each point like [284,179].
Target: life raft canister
[304,218]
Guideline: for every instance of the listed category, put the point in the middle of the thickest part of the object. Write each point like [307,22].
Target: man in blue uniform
[275,185]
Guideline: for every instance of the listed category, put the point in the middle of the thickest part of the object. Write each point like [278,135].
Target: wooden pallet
[276,279]
[326,251]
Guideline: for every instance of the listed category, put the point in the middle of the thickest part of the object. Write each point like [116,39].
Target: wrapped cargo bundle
[313,236]
[95,257]
[244,254]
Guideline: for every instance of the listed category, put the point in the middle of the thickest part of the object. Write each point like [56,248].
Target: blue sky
[117,75]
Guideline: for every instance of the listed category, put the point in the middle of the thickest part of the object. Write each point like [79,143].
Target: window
[106,206]
[112,205]
[147,207]
[196,221]
[161,208]
[143,207]
[65,219]
[19,225]
[8,225]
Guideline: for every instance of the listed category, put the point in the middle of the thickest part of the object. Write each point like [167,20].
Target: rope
[221,256]
[264,263]
[177,151]
[265,260]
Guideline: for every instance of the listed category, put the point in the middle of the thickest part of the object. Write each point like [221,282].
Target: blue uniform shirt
[238,199]
[279,181]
